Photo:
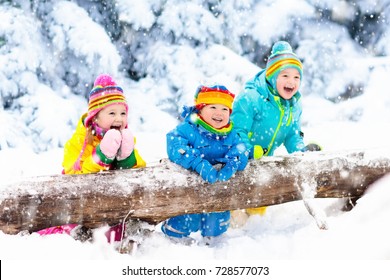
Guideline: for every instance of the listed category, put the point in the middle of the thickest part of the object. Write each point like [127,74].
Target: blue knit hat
[282,57]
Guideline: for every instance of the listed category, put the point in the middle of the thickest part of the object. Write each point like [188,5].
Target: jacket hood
[259,84]
[187,111]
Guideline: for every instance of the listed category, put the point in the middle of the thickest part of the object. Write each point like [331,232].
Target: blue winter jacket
[264,118]
[195,148]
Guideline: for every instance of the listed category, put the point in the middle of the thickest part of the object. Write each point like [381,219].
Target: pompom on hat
[105,92]
[282,57]
[216,94]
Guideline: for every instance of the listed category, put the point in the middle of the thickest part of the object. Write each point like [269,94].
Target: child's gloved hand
[207,171]
[312,147]
[259,151]
[228,170]
[127,145]
[110,143]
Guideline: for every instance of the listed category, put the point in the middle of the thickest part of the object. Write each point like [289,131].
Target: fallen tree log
[155,193]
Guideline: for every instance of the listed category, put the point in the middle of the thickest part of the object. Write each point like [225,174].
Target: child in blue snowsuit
[267,113]
[205,138]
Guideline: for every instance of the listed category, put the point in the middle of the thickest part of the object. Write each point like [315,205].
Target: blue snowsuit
[263,118]
[194,148]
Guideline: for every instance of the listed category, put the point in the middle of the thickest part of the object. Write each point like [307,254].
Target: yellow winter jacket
[88,165]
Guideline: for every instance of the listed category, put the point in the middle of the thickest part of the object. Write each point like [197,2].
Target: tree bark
[155,193]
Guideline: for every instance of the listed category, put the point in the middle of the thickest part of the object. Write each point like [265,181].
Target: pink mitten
[111,143]
[127,146]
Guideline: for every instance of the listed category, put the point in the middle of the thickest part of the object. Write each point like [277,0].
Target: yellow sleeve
[72,151]
[140,161]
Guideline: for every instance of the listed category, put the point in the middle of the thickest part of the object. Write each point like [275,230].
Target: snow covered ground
[285,232]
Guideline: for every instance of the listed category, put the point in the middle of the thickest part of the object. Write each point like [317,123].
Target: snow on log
[155,193]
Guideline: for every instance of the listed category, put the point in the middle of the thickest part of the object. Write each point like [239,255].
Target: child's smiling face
[288,82]
[112,117]
[216,115]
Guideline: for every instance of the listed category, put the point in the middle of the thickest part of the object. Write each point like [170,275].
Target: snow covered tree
[161,50]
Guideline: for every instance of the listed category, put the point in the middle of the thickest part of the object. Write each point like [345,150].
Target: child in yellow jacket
[102,141]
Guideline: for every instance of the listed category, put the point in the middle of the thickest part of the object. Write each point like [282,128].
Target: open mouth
[118,127]
[218,120]
[289,89]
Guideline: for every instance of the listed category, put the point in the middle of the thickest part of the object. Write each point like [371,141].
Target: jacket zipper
[277,100]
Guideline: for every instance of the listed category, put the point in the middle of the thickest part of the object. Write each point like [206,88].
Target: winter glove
[108,147]
[207,171]
[312,147]
[127,145]
[259,151]
[228,170]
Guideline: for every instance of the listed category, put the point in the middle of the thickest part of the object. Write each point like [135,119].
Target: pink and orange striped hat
[105,92]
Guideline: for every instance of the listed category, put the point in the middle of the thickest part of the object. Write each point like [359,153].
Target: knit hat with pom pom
[281,57]
[105,92]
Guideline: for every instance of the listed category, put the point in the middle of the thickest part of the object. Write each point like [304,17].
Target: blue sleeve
[235,160]
[180,147]
[294,140]
[243,114]
[239,153]
[181,151]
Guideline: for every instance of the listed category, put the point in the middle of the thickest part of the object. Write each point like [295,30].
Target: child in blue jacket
[205,138]
[267,113]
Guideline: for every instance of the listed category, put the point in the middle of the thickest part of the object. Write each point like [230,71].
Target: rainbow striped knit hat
[281,57]
[216,94]
[105,92]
